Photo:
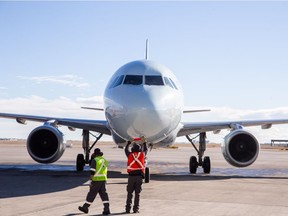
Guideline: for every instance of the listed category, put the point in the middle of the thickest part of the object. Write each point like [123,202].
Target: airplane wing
[191,128]
[100,126]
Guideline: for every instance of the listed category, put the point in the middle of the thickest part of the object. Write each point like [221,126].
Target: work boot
[127,209]
[84,208]
[106,212]
[136,211]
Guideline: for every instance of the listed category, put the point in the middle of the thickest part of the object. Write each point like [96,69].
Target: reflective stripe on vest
[136,162]
[101,169]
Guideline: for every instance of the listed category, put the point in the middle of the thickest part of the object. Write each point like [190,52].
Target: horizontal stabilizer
[93,108]
[191,111]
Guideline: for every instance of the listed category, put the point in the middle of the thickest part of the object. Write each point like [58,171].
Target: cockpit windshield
[150,80]
[153,80]
[133,80]
[169,82]
[117,81]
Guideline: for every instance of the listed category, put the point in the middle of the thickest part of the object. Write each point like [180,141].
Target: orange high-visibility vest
[136,161]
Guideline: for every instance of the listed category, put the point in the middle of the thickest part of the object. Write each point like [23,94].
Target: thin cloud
[68,79]
[228,113]
[34,105]
[91,101]
[231,114]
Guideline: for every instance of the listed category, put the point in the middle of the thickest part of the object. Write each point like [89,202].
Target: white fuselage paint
[152,111]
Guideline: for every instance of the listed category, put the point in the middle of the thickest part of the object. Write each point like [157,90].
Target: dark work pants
[134,184]
[95,188]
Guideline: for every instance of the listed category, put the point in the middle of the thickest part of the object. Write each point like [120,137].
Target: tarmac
[31,189]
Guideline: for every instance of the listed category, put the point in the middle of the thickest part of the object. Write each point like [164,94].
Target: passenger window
[153,80]
[133,80]
[167,82]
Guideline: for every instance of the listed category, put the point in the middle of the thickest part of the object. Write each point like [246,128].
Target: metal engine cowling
[240,148]
[45,144]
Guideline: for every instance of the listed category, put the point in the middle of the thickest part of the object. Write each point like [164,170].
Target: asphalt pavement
[29,188]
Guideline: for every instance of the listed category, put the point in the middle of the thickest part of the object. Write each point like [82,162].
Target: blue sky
[229,56]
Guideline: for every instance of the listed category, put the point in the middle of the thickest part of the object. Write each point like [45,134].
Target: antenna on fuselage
[146,53]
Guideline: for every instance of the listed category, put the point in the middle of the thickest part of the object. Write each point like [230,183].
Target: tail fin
[146,53]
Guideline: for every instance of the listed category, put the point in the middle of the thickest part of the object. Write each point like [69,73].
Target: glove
[143,139]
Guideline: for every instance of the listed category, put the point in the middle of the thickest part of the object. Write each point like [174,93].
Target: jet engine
[240,148]
[45,144]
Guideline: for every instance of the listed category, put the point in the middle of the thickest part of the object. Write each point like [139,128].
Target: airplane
[144,99]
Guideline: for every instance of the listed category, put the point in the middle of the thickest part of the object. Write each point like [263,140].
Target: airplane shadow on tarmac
[206,177]
[26,180]
[222,174]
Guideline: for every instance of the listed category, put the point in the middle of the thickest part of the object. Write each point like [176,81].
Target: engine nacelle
[240,148]
[45,144]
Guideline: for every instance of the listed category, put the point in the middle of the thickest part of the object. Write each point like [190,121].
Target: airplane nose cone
[144,121]
[146,114]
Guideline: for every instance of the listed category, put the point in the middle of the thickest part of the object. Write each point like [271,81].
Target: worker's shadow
[120,213]
[73,214]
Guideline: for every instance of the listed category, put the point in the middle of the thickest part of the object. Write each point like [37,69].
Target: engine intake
[45,144]
[240,148]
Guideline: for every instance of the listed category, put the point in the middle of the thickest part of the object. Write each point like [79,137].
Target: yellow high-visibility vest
[101,169]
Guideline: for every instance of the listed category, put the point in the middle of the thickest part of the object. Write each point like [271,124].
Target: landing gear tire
[147,175]
[206,165]
[193,164]
[80,162]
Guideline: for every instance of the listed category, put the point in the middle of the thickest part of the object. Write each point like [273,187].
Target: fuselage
[143,98]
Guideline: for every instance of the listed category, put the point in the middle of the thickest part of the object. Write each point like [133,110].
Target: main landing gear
[147,172]
[147,175]
[81,159]
[147,169]
[202,161]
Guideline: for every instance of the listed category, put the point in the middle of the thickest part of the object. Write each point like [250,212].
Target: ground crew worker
[98,177]
[136,172]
